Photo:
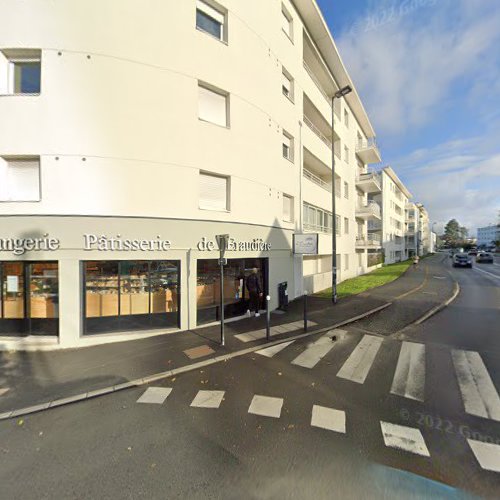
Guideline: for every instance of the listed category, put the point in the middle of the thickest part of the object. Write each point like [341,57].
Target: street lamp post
[222,241]
[338,95]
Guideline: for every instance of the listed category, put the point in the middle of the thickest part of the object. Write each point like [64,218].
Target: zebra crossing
[401,437]
[479,395]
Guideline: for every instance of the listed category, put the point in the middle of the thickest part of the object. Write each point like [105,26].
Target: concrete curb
[433,311]
[183,369]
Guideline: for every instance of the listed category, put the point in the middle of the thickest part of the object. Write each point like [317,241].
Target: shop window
[19,178]
[20,71]
[235,294]
[211,19]
[29,298]
[131,295]
[213,105]
[214,192]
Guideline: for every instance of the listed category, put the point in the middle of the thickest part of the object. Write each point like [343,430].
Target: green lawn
[379,277]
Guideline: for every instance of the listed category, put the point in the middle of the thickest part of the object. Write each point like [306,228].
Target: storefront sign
[255,245]
[19,246]
[104,243]
[305,244]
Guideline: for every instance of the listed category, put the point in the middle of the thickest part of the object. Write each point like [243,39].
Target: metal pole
[268,317]
[221,302]
[305,310]
[334,223]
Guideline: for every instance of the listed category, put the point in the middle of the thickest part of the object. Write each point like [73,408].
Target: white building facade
[486,236]
[129,147]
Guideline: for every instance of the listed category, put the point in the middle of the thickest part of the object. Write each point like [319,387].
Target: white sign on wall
[12,284]
[305,244]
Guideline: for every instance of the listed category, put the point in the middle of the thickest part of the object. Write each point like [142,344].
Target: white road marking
[208,399]
[3,390]
[269,352]
[358,364]
[155,395]
[409,378]
[328,418]
[486,272]
[404,438]
[316,350]
[487,454]
[478,392]
[275,330]
[266,406]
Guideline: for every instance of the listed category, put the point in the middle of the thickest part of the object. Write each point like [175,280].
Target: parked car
[484,258]
[462,260]
[473,251]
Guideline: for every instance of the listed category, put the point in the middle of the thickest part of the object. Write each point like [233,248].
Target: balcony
[374,225]
[368,151]
[369,241]
[368,212]
[327,186]
[368,182]
[317,131]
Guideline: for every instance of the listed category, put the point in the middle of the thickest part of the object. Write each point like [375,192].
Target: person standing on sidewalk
[254,291]
[416,259]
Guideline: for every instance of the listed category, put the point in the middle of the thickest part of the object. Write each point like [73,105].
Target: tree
[452,234]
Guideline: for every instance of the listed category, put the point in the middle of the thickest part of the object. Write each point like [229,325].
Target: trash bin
[283,296]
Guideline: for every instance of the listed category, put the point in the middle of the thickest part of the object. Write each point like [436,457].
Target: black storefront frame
[26,326]
[242,306]
[124,323]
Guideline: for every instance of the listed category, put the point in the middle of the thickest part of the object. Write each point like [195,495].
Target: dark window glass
[27,77]
[206,23]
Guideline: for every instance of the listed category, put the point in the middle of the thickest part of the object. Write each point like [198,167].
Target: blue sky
[428,72]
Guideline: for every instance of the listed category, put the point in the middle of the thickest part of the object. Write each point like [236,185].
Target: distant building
[487,235]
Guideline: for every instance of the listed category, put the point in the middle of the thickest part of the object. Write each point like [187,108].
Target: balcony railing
[317,228]
[363,144]
[372,208]
[317,131]
[370,240]
[374,225]
[323,92]
[317,180]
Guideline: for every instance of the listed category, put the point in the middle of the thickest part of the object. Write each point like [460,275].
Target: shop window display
[131,295]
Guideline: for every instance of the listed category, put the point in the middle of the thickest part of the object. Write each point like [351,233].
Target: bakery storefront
[71,282]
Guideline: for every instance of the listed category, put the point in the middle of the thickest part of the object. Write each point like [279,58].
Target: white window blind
[213,192]
[19,180]
[287,208]
[212,106]
[287,147]
[210,11]
[287,86]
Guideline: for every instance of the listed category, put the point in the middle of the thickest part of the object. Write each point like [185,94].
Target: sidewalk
[33,378]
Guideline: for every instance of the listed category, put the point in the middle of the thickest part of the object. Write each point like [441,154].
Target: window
[287,208]
[338,187]
[287,85]
[211,20]
[213,105]
[288,146]
[346,118]
[316,219]
[338,225]
[346,154]
[20,71]
[214,192]
[346,225]
[287,21]
[346,190]
[19,179]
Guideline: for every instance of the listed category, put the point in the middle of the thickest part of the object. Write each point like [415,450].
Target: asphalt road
[400,428]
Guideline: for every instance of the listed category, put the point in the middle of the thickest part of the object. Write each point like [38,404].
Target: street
[372,414]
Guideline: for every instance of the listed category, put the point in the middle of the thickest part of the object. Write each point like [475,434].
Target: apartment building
[129,147]
[486,236]
[412,229]
[390,231]
[424,230]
